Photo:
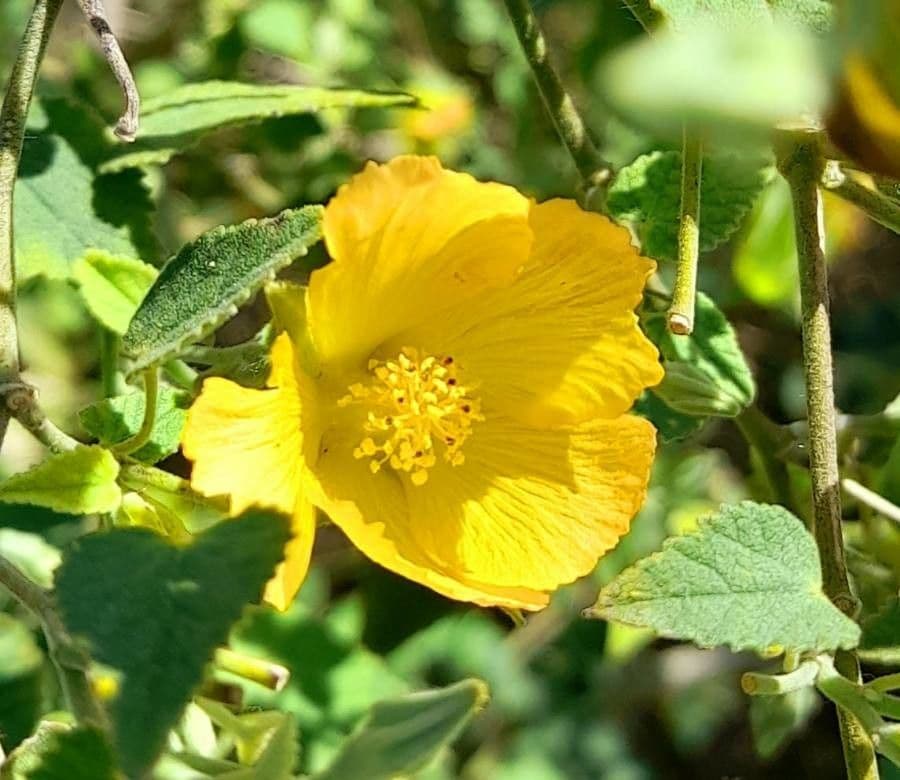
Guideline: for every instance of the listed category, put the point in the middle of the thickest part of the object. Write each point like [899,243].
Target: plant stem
[595,172]
[757,684]
[802,164]
[877,206]
[70,661]
[684,294]
[151,394]
[272,676]
[888,682]
[19,400]
[12,133]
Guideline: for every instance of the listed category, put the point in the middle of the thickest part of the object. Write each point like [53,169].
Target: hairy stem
[151,394]
[70,661]
[595,172]
[20,401]
[12,133]
[684,294]
[802,164]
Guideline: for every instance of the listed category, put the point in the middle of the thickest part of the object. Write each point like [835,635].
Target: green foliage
[736,79]
[173,121]
[777,719]
[117,419]
[204,283]
[112,287]
[706,372]
[402,736]
[756,564]
[157,634]
[881,635]
[64,210]
[21,679]
[82,481]
[646,194]
[59,752]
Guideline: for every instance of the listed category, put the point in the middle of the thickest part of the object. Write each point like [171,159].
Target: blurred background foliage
[570,699]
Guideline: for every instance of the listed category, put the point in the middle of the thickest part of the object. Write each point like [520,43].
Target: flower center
[415,407]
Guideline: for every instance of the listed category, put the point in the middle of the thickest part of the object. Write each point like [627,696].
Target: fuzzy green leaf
[159,632]
[63,208]
[755,564]
[114,420]
[402,736]
[176,120]
[79,482]
[647,195]
[203,284]
[112,287]
[706,372]
[59,752]
[815,15]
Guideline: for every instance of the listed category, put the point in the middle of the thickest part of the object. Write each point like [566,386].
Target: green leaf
[59,752]
[774,720]
[159,632]
[117,419]
[671,425]
[755,564]
[815,15]
[112,287]
[647,194]
[733,81]
[203,284]
[21,681]
[403,736]
[80,482]
[63,208]
[706,373]
[881,636]
[31,554]
[176,120]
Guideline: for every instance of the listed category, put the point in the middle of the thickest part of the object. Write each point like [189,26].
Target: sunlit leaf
[112,287]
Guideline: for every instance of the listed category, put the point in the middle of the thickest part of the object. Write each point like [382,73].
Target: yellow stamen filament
[416,408]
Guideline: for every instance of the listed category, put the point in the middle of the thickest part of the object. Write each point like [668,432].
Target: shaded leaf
[881,636]
[159,632]
[647,194]
[671,425]
[63,208]
[173,121]
[59,752]
[755,564]
[117,419]
[80,482]
[706,372]
[21,695]
[404,735]
[112,287]
[203,284]
[774,720]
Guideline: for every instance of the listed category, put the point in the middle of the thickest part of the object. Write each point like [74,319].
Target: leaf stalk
[684,293]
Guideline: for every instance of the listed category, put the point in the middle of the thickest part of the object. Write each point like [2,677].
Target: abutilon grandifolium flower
[452,390]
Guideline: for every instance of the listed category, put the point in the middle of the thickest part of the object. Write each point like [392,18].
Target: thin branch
[20,401]
[594,170]
[684,294]
[871,499]
[70,660]
[127,126]
[801,163]
[875,204]
[151,394]
[13,115]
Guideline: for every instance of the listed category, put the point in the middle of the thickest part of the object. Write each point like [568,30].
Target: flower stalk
[684,294]
[802,164]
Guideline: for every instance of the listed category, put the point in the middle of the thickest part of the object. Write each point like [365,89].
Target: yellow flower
[452,390]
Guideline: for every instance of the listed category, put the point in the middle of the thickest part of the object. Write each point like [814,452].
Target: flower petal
[291,572]
[249,445]
[410,239]
[372,511]
[561,345]
[533,507]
